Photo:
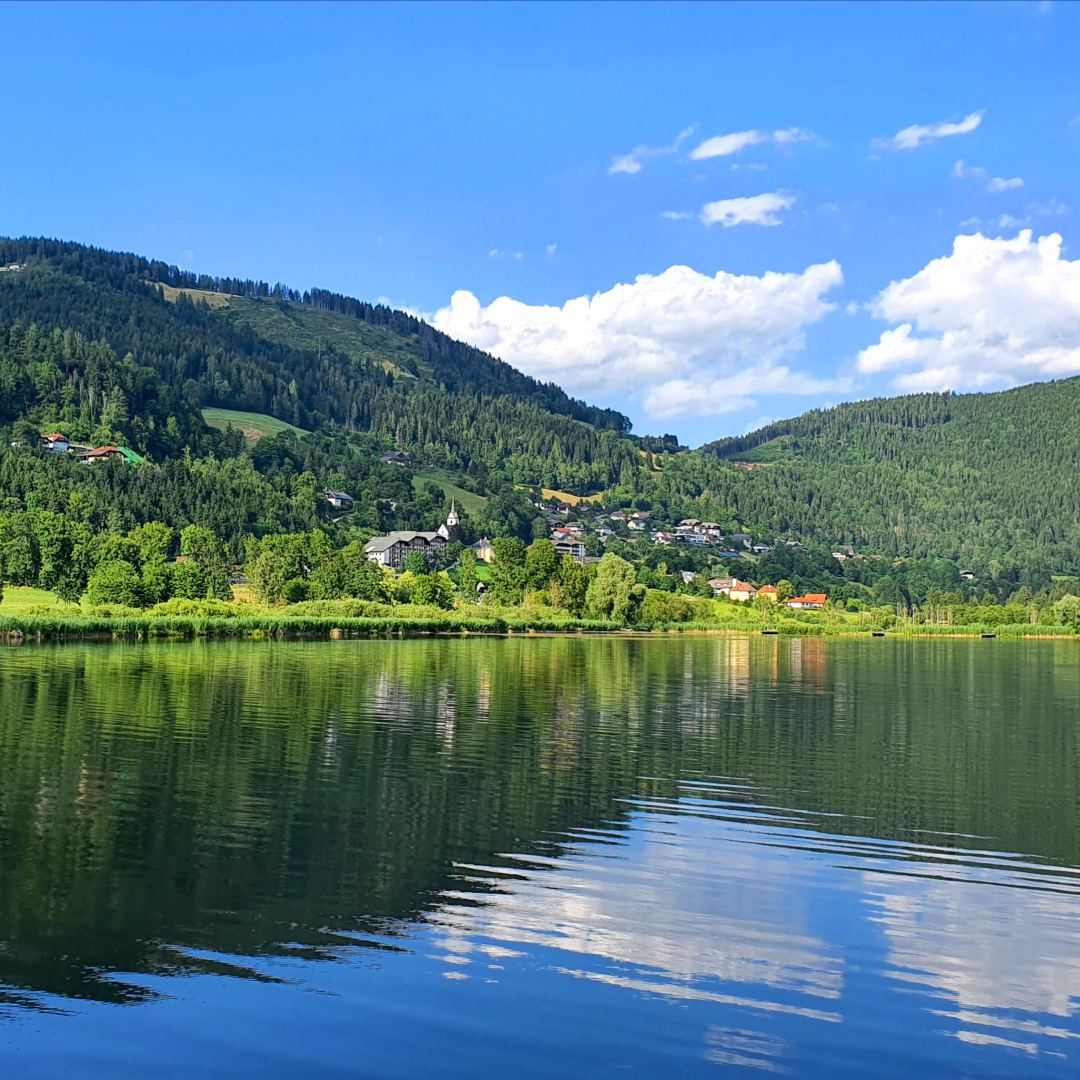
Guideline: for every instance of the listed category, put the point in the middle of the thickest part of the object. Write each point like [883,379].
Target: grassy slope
[469,501]
[308,328]
[18,598]
[214,299]
[253,425]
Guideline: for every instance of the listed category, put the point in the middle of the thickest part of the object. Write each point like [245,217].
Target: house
[688,576]
[112,453]
[689,523]
[619,515]
[56,443]
[604,532]
[575,549]
[811,601]
[484,550]
[694,538]
[733,588]
[769,592]
[967,575]
[795,545]
[103,453]
[665,538]
[761,549]
[396,457]
[338,499]
[393,549]
[637,525]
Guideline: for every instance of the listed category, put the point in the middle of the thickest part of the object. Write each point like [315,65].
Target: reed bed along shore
[328,620]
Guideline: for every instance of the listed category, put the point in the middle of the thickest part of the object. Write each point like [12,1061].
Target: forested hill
[114,348]
[312,358]
[973,477]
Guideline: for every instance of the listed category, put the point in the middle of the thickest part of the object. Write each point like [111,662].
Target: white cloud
[962,171]
[735,141]
[634,161]
[550,250]
[911,138]
[993,312]
[684,341]
[498,253]
[676,215]
[755,210]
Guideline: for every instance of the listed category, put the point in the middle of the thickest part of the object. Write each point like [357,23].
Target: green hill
[975,477]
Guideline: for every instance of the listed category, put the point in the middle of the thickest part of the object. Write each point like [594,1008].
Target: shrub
[116,582]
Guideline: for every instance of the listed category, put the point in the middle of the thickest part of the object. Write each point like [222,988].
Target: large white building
[393,549]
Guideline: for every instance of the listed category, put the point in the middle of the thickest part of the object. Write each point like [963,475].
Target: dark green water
[540,857]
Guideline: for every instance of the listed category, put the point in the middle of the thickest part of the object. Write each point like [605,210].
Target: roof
[54,436]
[337,495]
[767,589]
[810,598]
[100,451]
[382,543]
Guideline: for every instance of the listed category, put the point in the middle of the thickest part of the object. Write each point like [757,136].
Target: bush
[116,582]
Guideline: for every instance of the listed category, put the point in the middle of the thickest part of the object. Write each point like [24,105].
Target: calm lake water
[540,857]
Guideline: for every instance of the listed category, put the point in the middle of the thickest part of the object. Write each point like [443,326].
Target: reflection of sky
[797,951]
[698,937]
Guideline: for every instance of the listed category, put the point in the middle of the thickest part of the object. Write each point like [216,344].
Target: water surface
[547,856]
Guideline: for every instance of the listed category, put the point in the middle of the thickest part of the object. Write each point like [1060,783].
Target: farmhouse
[769,592]
[56,442]
[811,601]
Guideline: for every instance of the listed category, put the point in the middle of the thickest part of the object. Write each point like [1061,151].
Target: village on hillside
[580,531]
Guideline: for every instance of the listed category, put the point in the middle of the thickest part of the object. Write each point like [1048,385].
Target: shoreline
[17,630]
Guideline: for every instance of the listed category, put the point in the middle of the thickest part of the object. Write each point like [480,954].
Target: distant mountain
[973,477]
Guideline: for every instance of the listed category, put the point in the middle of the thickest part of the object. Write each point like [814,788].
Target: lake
[580,857]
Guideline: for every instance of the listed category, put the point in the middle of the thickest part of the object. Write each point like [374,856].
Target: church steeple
[452,519]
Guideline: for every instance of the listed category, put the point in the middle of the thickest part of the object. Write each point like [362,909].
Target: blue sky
[480,164]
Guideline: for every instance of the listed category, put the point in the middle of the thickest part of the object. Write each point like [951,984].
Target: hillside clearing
[253,425]
[469,501]
[301,326]
[214,299]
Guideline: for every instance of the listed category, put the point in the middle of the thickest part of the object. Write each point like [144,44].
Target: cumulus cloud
[686,342]
[735,141]
[993,312]
[911,138]
[998,183]
[634,161]
[761,209]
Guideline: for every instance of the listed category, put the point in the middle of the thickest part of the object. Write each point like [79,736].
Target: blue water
[541,858]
